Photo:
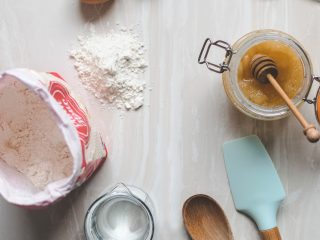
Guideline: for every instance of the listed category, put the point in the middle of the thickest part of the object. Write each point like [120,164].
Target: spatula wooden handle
[271,234]
[310,131]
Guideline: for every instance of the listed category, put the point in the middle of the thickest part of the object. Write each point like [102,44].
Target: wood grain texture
[309,130]
[172,146]
[265,71]
[205,220]
[271,234]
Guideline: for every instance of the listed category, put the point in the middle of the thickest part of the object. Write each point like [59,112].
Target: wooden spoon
[265,70]
[205,220]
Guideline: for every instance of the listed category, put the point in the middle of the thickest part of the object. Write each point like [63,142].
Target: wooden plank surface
[172,146]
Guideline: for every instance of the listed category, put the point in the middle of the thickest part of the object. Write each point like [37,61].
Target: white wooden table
[172,146]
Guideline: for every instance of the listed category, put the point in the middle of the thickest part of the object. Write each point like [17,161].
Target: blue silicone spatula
[255,185]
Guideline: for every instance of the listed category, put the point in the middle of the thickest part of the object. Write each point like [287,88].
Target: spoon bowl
[204,219]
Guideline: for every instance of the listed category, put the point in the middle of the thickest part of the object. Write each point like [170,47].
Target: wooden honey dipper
[265,70]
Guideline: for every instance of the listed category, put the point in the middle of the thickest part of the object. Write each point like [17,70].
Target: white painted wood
[171,147]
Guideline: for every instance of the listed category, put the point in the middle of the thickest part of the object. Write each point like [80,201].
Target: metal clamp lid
[203,56]
[316,100]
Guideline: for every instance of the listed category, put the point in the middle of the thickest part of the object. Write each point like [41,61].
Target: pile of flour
[109,65]
[30,140]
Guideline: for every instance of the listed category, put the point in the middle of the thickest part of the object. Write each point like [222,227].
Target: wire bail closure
[203,56]
[316,100]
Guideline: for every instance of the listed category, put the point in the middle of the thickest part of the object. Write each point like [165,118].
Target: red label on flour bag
[77,116]
[80,121]
[83,140]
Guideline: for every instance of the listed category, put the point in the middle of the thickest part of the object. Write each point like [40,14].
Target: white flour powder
[30,140]
[109,66]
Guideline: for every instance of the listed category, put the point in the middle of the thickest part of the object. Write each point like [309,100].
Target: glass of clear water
[124,213]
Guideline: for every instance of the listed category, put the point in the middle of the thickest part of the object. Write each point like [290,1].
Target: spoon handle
[271,234]
[310,131]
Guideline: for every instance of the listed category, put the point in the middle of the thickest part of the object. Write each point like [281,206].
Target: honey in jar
[290,77]
[255,99]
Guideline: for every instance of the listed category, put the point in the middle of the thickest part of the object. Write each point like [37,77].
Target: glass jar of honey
[255,99]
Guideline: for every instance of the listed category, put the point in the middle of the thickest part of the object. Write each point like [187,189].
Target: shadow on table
[63,220]
[55,222]
[93,12]
[51,223]
[269,131]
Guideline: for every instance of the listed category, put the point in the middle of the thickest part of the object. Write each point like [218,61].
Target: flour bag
[48,145]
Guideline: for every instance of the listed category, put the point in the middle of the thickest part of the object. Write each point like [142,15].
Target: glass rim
[103,199]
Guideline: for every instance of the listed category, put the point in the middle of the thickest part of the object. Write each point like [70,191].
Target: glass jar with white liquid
[124,213]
